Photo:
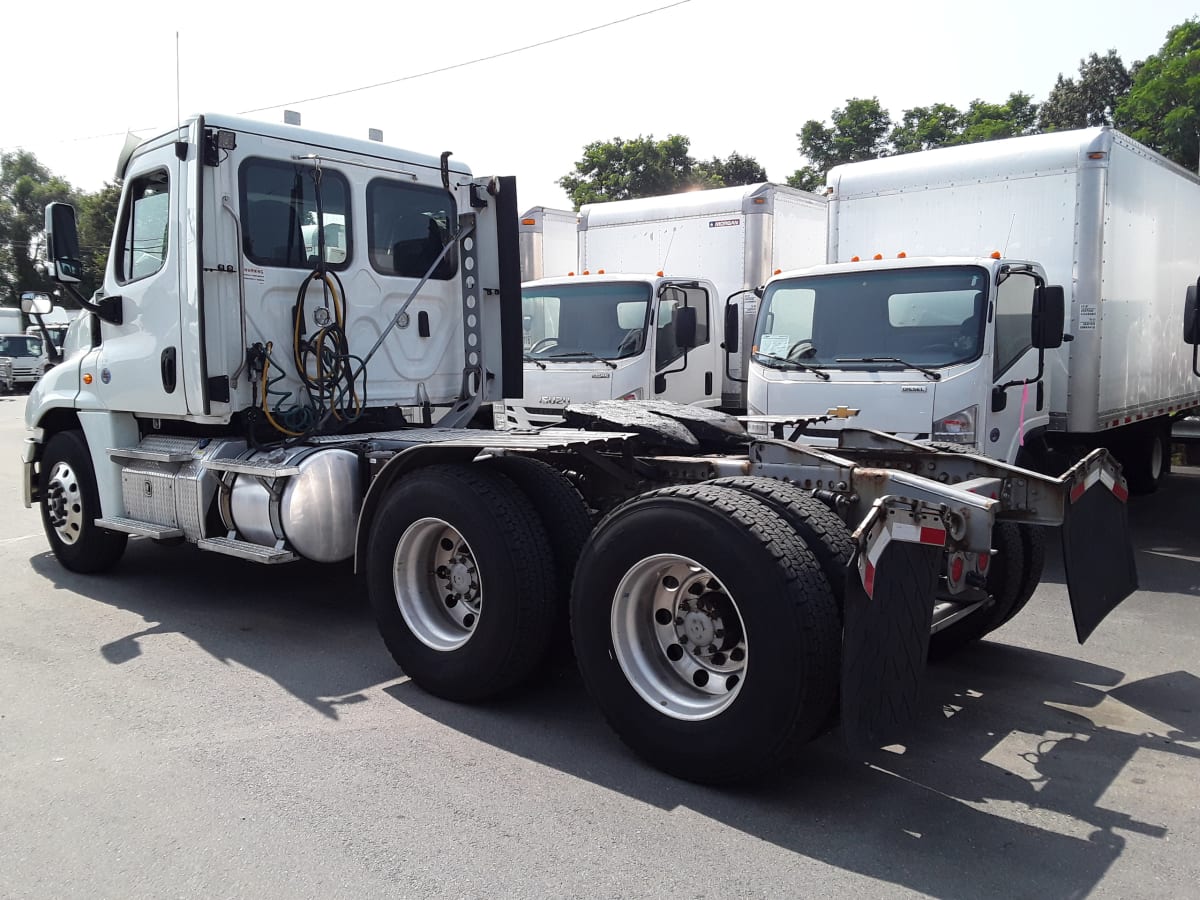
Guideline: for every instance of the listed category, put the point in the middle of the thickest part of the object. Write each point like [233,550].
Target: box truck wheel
[1145,456]
[460,578]
[71,505]
[1006,581]
[706,632]
[1033,548]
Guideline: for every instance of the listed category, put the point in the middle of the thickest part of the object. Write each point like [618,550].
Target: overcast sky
[738,75]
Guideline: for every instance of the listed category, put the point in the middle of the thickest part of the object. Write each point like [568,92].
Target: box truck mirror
[35,303]
[999,399]
[1191,314]
[732,314]
[685,327]
[1047,320]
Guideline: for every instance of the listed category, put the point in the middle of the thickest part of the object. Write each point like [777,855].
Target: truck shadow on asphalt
[1007,733]
[304,626]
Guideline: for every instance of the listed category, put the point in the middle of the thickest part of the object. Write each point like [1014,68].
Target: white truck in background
[699,250]
[230,389]
[938,345]
[549,242]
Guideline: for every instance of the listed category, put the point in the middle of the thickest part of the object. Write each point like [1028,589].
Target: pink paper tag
[1021,423]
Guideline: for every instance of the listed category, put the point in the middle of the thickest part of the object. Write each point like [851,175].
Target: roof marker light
[586,272]
[659,273]
[570,274]
[854,259]
[995,254]
[529,221]
[599,271]
[759,201]
[777,272]
[901,255]
[877,256]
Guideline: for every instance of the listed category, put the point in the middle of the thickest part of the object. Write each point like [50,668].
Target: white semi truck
[233,388]
[694,250]
[936,345]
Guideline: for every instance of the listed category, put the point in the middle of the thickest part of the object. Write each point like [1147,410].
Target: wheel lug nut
[451,601]
[674,653]
[663,617]
[700,678]
[731,682]
[718,659]
[469,620]
[737,654]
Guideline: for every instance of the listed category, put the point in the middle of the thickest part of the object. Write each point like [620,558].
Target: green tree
[735,169]
[927,127]
[1162,108]
[991,121]
[26,186]
[97,216]
[1103,83]
[621,169]
[856,132]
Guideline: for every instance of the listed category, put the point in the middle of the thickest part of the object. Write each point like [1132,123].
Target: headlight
[957,428]
[635,394]
[758,429]
[499,421]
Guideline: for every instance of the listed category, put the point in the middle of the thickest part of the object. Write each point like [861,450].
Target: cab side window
[145,227]
[407,227]
[666,350]
[1014,320]
[284,222]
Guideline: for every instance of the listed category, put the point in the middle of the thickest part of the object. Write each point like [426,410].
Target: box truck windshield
[918,319]
[579,321]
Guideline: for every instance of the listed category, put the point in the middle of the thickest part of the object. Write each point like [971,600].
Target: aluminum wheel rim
[437,584]
[679,637]
[64,503]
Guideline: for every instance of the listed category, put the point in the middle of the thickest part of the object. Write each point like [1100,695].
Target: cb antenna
[1008,237]
[178,113]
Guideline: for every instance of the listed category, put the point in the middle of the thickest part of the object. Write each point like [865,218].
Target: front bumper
[29,457]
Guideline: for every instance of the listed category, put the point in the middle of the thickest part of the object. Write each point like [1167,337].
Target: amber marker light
[877,256]
[854,259]
[901,255]
[87,378]
[529,221]
[995,254]
[599,271]
[778,272]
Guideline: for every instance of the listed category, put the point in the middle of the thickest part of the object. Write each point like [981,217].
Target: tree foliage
[1092,100]
[856,132]
[621,169]
[26,186]
[1162,108]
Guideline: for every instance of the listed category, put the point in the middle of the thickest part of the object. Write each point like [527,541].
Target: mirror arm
[109,309]
[1034,380]
[51,350]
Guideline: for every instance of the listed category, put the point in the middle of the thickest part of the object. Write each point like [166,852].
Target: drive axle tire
[1145,457]
[1033,549]
[826,535]
[706,632]
[461,581]
[71,505]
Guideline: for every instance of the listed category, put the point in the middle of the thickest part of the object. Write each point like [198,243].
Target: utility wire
[367,87]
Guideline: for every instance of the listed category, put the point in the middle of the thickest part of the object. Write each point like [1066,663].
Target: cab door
[683,375]
[139,363]
[1024,407]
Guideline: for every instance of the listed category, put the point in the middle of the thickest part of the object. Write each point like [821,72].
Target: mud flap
[885,639]
[1097,549]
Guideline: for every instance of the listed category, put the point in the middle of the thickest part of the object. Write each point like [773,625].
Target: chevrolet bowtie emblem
[841,412]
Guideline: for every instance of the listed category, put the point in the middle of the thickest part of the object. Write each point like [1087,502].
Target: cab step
[245,550]
[142,529]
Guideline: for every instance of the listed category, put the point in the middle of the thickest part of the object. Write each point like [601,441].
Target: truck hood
[561,383]
[895,401]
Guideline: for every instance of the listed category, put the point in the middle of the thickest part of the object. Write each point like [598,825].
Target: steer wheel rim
[437,584]
[64,503]
[679,637]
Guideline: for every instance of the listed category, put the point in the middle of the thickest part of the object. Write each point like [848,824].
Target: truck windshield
[876,319]
[606,320]
[20,345]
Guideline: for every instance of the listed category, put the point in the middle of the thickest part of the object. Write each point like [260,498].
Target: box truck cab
[1092,211]
[929,349]
[616,337]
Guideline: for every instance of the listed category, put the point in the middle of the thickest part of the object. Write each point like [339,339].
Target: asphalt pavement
[191,725]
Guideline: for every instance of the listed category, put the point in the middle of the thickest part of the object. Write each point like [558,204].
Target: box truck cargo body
[723,242]
[549,243]
[1110,221]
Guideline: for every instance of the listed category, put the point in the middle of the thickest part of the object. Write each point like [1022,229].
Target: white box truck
[938,345]
[549,242]
[701,249]
[733,599]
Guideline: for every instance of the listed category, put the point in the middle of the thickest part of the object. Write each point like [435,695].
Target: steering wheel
[801,348]
[629,341]
[544,344]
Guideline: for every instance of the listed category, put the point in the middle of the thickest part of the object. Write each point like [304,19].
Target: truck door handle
[168,370]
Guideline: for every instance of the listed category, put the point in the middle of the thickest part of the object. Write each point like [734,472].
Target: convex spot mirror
[36,303]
